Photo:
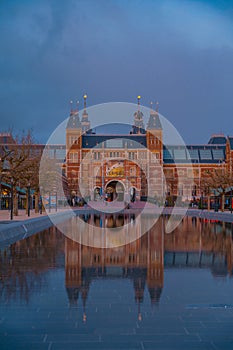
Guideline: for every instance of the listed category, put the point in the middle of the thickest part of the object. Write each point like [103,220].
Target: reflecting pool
[161,291]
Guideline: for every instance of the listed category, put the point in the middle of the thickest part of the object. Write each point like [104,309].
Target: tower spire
[86,125]
[138,126]
[74,121]
[139,98]
[85,101]
[154,120]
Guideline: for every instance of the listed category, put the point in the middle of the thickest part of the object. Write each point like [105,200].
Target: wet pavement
[163,291]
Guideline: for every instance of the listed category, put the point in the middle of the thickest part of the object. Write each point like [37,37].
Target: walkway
[5,216]
[118,206]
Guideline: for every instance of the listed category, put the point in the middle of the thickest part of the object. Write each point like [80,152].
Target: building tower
[73,150]
[85,122]
[138,125]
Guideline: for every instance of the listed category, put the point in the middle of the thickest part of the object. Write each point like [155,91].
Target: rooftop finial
[71,106]
[139,98]
[77,103]
[151,105]
[157,106]
[85,101]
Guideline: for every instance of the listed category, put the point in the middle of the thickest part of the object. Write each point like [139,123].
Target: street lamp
[12,198]
[1,191]
[202,200]
[1,178]
[215,201]
[1,187]
[102,176]
[231,200]
[49,202]
[28,195]
[41,200]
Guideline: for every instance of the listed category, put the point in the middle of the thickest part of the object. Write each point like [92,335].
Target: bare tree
[218,181]
[19,164]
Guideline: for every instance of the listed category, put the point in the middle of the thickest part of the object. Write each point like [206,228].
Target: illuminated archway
[132,192]
[97,193]
[115,191]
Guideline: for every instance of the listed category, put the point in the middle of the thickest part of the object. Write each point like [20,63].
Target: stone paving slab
[98,345]
[176,345]
[72,338]
[25,346]
[116,330]
[223,345]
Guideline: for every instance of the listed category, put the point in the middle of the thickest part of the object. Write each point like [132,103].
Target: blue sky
[177,52]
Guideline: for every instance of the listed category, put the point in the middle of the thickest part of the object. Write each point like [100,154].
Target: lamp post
[28,195]
[215,201]
[41,200]
[231,200]
[12,199]
[49,202]
[201,200]
[102,173]
[1,191]
[1,177]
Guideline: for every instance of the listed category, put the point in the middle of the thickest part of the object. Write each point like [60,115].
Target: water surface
[162,291]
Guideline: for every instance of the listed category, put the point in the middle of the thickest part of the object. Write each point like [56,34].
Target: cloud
[179,52]
[200,24]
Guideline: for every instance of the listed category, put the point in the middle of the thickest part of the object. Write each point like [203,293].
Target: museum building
[136,163]
[127,161]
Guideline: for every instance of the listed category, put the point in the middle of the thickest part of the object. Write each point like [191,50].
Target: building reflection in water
[107,230]
[140,261]
[195,242]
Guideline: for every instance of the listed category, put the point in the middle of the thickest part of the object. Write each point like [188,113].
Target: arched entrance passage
[115,190]
[132,192]
[97,194]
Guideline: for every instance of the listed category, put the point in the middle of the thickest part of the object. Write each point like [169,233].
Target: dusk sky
[174,51]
